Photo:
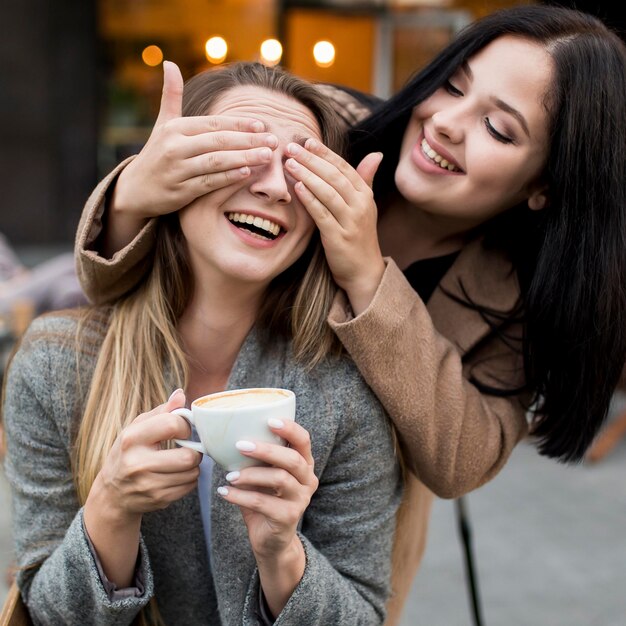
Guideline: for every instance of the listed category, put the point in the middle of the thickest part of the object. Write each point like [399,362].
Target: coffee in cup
[224,418]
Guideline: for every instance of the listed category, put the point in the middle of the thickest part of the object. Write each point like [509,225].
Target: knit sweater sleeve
[57,574]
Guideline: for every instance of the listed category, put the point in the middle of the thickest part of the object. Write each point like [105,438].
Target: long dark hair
[570,258]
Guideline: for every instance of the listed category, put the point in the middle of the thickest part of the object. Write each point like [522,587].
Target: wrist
[281,573]
[361,292]
[121,200]
[101,511]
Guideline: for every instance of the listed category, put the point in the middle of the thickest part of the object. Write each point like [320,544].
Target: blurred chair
[612,433]
[14,612]
[607,439]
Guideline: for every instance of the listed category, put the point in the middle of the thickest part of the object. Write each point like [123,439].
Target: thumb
[368,167]
[172,96]
[175,401]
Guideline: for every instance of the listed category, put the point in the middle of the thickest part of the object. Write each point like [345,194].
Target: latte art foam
[241,399]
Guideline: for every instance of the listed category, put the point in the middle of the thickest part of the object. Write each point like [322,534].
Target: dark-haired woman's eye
[495,134]
[451,89]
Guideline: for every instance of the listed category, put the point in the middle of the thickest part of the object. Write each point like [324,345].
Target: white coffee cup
[224,418]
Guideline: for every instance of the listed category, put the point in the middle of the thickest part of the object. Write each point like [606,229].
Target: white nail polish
[222,491]
[232,476]
[245,446]
[174,393]
[275,423]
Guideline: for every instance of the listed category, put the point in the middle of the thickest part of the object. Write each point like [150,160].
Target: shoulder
[75,331]
[55,350]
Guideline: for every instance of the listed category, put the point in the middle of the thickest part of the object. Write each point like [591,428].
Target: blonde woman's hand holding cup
[138,476]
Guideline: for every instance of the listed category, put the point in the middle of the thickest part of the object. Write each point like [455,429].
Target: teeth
[258,222]
[437,158]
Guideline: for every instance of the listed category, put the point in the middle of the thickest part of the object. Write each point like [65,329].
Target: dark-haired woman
[484,290]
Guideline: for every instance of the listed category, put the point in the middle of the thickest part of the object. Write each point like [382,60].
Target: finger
[324,219]
[156,429]
[321,188]
[270,506]
[328,165]
[225,140]
[296,436]
[198,124]
[172,95]
[221,161]
[199,185]
[288,459]
[177,460]
[161,497]
[159,480]
[175,401]
[368,167]
[270,480]
[313,171]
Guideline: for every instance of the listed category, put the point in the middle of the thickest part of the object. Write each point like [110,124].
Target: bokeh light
[271,51]
[216,49]
[152,55]
[324,53]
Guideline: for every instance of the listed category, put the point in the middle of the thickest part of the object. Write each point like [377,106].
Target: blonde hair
[141,359]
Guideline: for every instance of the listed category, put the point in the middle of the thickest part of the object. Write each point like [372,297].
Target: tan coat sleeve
[104,280]
[454,438]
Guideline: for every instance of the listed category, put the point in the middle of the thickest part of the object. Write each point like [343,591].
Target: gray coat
[346,531]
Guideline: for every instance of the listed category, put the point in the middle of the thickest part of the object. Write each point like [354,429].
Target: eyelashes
[497,135]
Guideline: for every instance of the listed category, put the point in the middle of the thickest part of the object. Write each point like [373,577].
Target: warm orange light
[216,49]
[324,53]
[271,51]
[152,56]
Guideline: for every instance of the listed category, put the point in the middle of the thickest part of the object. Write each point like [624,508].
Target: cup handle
[186,443]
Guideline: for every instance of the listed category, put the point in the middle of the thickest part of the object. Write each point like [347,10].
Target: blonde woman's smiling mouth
[255,225]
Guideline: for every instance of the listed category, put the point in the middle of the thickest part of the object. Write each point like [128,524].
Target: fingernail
[232,476]
[222,491]
[244,171]
[294,148]
[245,446]
[291,164]
[265,153]
[179,390]
[275,423]
[310,144]
[258,126]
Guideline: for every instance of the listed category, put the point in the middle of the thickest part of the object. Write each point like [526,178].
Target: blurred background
[80,85]
[80,80]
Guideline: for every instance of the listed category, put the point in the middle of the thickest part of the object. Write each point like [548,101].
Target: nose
[448,123]
[269,182]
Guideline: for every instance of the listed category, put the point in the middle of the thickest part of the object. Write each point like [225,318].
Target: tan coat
[454,438]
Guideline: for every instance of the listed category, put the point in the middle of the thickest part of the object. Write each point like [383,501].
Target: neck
[213,329]
[408,234]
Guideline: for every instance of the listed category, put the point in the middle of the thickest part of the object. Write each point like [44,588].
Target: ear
[538,198]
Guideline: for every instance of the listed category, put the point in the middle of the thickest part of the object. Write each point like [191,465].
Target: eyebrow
[299,139]
[500,103]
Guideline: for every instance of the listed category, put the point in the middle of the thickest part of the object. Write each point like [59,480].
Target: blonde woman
[109,523]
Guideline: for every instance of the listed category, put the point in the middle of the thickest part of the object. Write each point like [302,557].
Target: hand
[272,499]
[186,157]
[340,200]
[139,476]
